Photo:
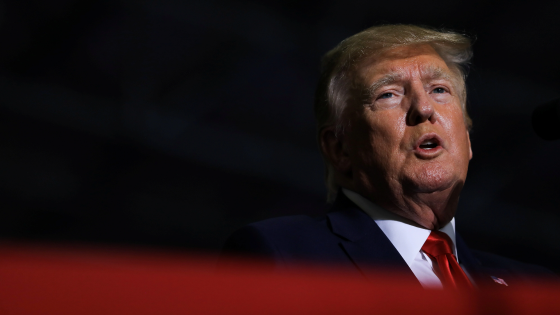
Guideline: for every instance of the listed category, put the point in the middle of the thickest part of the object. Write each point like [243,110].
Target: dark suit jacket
[348,237]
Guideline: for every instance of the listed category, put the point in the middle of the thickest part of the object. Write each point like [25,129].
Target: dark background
[172,123]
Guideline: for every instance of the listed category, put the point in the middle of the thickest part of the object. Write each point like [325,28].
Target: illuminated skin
[405,145]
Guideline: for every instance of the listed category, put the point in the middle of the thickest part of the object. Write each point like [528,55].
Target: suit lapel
[481,275]
[363,241]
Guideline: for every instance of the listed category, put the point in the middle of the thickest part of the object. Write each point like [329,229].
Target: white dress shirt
[407,238]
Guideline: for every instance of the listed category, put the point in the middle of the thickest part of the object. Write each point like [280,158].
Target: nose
[421,107]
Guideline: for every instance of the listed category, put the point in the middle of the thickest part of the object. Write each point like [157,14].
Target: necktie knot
[437,244]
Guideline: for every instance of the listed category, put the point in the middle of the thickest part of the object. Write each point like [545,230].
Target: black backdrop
[172,123]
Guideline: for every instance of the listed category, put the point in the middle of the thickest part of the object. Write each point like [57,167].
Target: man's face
[406,136]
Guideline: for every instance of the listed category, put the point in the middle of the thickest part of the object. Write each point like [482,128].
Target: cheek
[374,141]
[386,140]
[460,144]
[454,124]
[377,135]
[394,135]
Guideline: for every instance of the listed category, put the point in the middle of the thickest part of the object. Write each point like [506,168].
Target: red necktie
[438,247]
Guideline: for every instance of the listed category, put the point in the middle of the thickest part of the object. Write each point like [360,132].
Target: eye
[386,95]
[439,90]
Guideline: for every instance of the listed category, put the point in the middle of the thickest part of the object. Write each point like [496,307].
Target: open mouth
[429,144]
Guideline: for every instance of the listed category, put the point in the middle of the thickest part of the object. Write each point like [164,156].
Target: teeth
[429,144]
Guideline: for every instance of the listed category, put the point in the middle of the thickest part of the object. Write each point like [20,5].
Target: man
[394,132]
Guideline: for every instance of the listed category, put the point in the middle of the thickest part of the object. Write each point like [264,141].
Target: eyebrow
[385,80]
[436,73]
[428,74]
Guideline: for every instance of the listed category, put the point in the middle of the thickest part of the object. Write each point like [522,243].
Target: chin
[431,179]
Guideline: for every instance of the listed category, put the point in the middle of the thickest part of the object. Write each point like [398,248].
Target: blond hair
[339,64]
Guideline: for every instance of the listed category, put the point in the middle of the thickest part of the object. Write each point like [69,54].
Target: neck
[430,210]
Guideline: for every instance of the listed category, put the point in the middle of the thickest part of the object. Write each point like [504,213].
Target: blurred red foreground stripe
[57,280]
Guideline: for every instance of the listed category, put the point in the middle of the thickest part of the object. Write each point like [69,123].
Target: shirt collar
[407,238]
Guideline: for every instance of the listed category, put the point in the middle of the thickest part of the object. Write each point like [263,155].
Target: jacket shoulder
[285,239]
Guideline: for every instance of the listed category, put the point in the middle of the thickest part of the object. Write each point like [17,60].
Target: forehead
[404,62]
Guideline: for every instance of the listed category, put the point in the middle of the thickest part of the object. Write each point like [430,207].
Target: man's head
[392,120]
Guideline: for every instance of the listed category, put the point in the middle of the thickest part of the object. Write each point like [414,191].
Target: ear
[470,149]
[334,150]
